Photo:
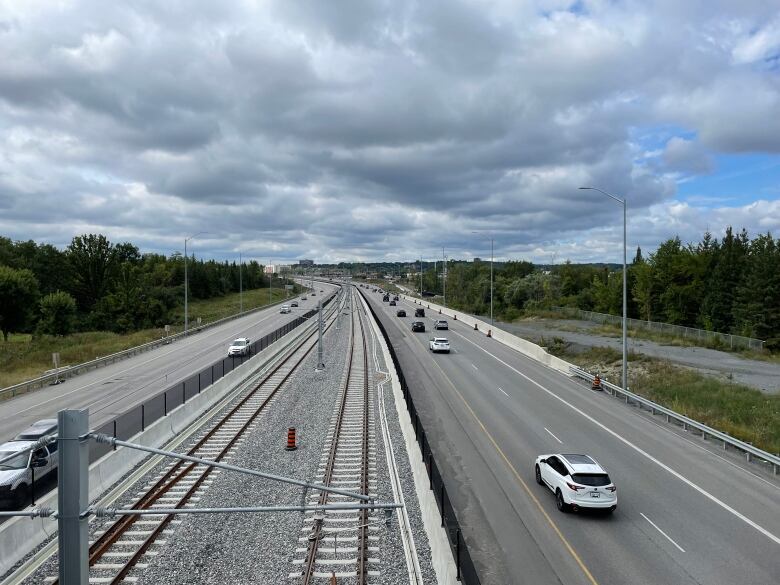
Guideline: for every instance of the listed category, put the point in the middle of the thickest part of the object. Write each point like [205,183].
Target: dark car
[419,312]
[385,298]
[395,298]
[418,326]
[392,303]
[400,313]
[294,304]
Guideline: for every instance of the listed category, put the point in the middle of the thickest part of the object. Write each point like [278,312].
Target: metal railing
[466,571]
[749,450]
[71,371]
[702,336]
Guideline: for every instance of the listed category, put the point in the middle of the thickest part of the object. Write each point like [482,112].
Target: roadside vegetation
[741,411]
[25,356]
[731,285]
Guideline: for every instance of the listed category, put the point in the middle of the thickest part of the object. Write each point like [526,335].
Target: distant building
[305,262]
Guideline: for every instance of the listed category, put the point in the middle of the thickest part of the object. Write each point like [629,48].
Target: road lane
[114,389]
[625,548]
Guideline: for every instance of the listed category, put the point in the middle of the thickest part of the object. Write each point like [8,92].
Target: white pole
[240,284]
[186,319]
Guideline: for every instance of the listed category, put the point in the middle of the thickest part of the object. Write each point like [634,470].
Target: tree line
[730,285]
[94,284]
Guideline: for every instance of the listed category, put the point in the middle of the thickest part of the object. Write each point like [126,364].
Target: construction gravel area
[260,548]
[762,375]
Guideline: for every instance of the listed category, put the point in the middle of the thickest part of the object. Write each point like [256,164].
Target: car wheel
[22,496]
[562,506]
[538,473]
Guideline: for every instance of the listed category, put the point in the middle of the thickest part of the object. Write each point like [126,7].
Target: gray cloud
[374,129]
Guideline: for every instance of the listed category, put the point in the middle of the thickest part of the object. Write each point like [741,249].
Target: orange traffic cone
[292,445]
[596,383]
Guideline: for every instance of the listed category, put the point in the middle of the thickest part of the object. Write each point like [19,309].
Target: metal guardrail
[749,450]
[701,335]
[71,371]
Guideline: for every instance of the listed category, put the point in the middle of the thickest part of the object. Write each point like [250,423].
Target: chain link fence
[700,336]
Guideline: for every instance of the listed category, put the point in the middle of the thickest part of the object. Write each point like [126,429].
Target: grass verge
[742,412]
[24,357]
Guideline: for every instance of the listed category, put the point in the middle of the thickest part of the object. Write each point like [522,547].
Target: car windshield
[18,462]
[239,343]
[592,479]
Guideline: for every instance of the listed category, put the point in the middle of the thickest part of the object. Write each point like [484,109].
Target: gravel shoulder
[764,376]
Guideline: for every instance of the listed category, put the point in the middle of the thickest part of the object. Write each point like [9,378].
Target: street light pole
[240,285]
[491,279]
[444,276]
[421,276]
[625,295]
[186,284]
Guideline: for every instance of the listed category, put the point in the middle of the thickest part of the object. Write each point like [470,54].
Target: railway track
[119,552]
[340,543]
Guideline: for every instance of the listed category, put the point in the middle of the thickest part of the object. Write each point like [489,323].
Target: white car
[577,482]
[240,346]
[285,309]
[16,474]
[439,344]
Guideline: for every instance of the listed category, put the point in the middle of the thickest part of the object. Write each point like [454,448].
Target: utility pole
[491,282]
[240,284]
[73,496]
[270,280]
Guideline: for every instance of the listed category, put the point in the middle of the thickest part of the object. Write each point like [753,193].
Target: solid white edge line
[662,532]
[636,448]
[475,367]
[553,436]
[502,390]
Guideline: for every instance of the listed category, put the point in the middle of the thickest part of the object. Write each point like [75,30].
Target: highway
[686,512]
[114,389]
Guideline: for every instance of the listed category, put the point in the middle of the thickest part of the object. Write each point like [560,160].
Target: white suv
[240,346]
[577,482]
[439,344]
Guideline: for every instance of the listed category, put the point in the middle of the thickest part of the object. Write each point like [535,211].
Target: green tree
[18,293]
[93,260]
[57,314]
[642,290]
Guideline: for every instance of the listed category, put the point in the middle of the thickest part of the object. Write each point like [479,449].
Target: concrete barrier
[20,535]
[524,346]
[441,553]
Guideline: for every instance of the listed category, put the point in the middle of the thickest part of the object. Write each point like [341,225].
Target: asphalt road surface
[687,513]
[116,388]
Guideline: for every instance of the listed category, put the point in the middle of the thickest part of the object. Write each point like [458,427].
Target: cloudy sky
[357,129]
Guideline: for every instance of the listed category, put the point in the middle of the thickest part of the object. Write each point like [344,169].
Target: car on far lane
[392,303]
[304,298]
[441,324]
[439,344]
[419,312]
[239,346]
[294,304]
[285,309]
[400,313]
[418,326]
[395,298]
[577,481]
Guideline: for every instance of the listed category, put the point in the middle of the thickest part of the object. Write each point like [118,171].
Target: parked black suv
[419,312]
[418,326]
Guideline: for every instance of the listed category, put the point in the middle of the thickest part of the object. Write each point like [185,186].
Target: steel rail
[362,560]
[176,473]
[316,535]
